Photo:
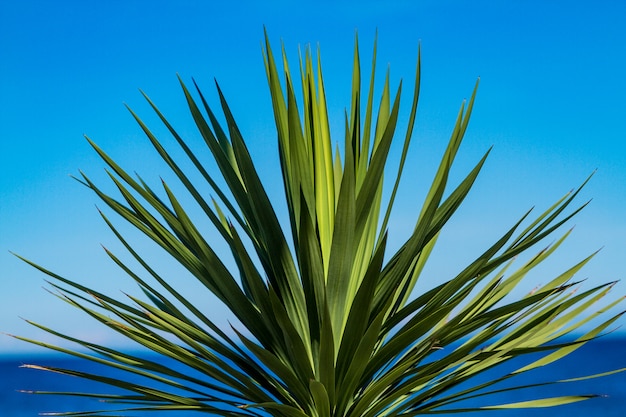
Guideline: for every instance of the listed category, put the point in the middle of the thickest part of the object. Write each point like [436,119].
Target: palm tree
[328,323]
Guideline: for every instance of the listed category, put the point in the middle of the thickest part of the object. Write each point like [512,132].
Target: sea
[599,356]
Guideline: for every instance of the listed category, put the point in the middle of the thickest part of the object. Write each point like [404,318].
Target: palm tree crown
[328,323]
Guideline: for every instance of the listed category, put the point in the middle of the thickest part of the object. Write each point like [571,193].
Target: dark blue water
[593,358]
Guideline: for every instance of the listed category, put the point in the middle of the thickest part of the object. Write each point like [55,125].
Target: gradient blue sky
[552,101]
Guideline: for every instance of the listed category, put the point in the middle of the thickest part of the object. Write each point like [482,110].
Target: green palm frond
[328,322]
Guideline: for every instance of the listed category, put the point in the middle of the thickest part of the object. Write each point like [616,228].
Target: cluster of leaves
[332,327]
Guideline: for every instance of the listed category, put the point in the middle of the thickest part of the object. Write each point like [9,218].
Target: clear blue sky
[552,101]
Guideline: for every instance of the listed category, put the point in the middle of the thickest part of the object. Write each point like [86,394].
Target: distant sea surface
[595,357]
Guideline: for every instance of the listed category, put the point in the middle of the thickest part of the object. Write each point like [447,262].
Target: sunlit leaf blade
[544,402]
